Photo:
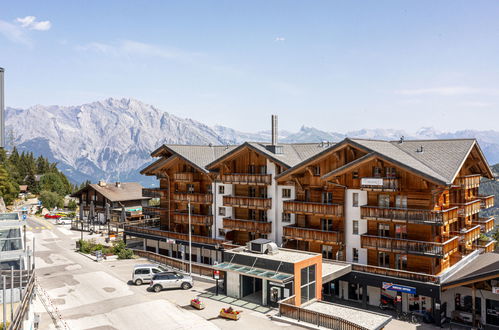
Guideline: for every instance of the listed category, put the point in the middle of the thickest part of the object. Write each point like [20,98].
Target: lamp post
[190,236]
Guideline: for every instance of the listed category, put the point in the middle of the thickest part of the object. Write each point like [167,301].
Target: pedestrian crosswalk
[36,228]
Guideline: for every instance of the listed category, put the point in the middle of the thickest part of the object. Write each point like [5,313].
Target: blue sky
[333,65]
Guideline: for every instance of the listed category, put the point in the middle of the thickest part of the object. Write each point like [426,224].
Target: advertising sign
[216,274]
[371,182]
[398,288]
[495,289]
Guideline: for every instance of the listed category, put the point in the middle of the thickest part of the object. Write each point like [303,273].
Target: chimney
[2,110]
[274,130]
[102,183]
[118,184]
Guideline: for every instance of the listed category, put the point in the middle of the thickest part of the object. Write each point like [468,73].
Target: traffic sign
[216,274]
[24,217]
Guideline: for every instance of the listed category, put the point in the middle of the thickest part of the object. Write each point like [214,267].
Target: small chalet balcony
[468,235]
[244,178]
[313,208]
[399,245]
[486,201]
[468,181]
[416,216]
[197,198]
[485,246]
[408,275]
[469,208]
[259,203]
[186,176]
[379,184]
[196,219]
[486,224]
[154,211]
[313,235]
[253,226]
[146,232]
[154,192]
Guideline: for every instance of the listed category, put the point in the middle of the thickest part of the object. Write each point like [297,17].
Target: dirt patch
[108,289]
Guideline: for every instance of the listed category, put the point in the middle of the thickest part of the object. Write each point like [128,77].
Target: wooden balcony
[313,235]
[486,201]
[254,226]
[469,208]
[154,192]
[379,184]
[243,178]
[154,211]
[398,245]
[248,202]
[468,181]
[196,198]
[416,216]
[486,246]
[312,208]
[468,235]
[486,224]
[382,271]
[148,231]
[186,177]
[196,219]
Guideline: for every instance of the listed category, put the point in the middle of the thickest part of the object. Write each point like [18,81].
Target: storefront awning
[254,272]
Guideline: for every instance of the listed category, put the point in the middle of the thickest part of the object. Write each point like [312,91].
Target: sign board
[216,274]
[40,203]
[495,289]
[371,181]
[170,241]
[398,288]
[25,216]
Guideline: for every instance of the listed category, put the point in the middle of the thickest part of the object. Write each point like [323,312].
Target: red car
[52,216]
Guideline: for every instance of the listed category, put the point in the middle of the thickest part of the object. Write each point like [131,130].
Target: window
[390,172]
[221,211]
[251,192]
[317,170]
[252,214]
[384,200]
[262,215]
[355,255]
[377,173]
[190,188]
[251,169]
[401,261]
[263,169]
[286,217]
[355,199]
[383,259]
[327,224]
[156,270]
[383,229]
[327,252]
[286,193]
[263,192]
[401,201]
[355,227]
[355,174]
[327,197]
[221,232]
[208,188]
[401,231]
[307,283]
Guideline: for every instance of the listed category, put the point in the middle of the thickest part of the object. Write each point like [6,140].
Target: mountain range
[112,139]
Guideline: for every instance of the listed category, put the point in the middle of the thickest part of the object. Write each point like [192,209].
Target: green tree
[55,182]
[72,205]
[51,199]
[9,189]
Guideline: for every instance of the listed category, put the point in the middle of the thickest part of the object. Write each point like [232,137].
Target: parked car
[52,216]
[168,280]
[144,273]
[63,221]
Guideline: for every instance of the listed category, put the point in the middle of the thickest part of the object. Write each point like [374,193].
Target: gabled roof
[126,191]
[347,166]
[483,267]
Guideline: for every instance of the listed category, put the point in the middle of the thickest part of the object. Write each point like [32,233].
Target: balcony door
[327,197]
[401,202]
[190,188]
[383,259]
[327,224]
[401,231]
[327,251]
[401,261]
[252,214]
[384,200]
[251,192]
[383,230]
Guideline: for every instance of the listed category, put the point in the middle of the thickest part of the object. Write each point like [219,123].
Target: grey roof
[127,191]
[200,155]
[293,153]
[484,265]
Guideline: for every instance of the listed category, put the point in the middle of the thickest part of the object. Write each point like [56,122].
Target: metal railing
[27,290]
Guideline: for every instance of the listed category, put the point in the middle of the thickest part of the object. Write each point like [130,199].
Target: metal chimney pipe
[2,110]
[274,130]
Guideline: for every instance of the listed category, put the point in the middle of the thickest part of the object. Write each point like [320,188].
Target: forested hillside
[491,187]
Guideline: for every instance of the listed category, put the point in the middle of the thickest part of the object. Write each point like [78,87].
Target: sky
[333,65]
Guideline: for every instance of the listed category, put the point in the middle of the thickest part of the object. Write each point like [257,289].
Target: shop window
[286,193]
[355,199]
[383,229]
[355,255]
[307,288]
[401,231]
[286,217]
[383,259]
[384,200]
[221,211]
[221,189]
[355,227]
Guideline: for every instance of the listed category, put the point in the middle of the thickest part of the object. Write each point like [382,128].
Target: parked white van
[144,273]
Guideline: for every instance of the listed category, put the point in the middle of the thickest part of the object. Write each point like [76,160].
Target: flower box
[196,303]
[230,314]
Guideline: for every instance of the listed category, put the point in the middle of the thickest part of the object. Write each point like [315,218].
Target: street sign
[24,217]
[398,288]
[495,289]
[216,274]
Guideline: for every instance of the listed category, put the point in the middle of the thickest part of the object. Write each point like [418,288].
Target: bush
[51,199]
[72,205]
[125,254]
[118,246]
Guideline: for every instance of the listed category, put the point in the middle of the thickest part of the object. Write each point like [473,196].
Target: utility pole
[190,237]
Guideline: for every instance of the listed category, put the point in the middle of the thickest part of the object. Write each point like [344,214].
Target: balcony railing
[382,271]
[313,208]
[417,216]
[486,201]
[486,224]
[154,192]
[186,176]
[196,219]
[198,198]
[248,202]
[469,208]
[131,230]
[253,226]
[468,235]
[486,246]
[399,245]
[468,181]
[243,178]
[154,211]
[313,235]
[379,184]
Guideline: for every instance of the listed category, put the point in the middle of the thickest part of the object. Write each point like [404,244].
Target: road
[92,295]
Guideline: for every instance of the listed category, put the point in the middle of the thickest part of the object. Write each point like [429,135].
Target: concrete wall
[353,213]
[279,208]
[233,285]
[218,202]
